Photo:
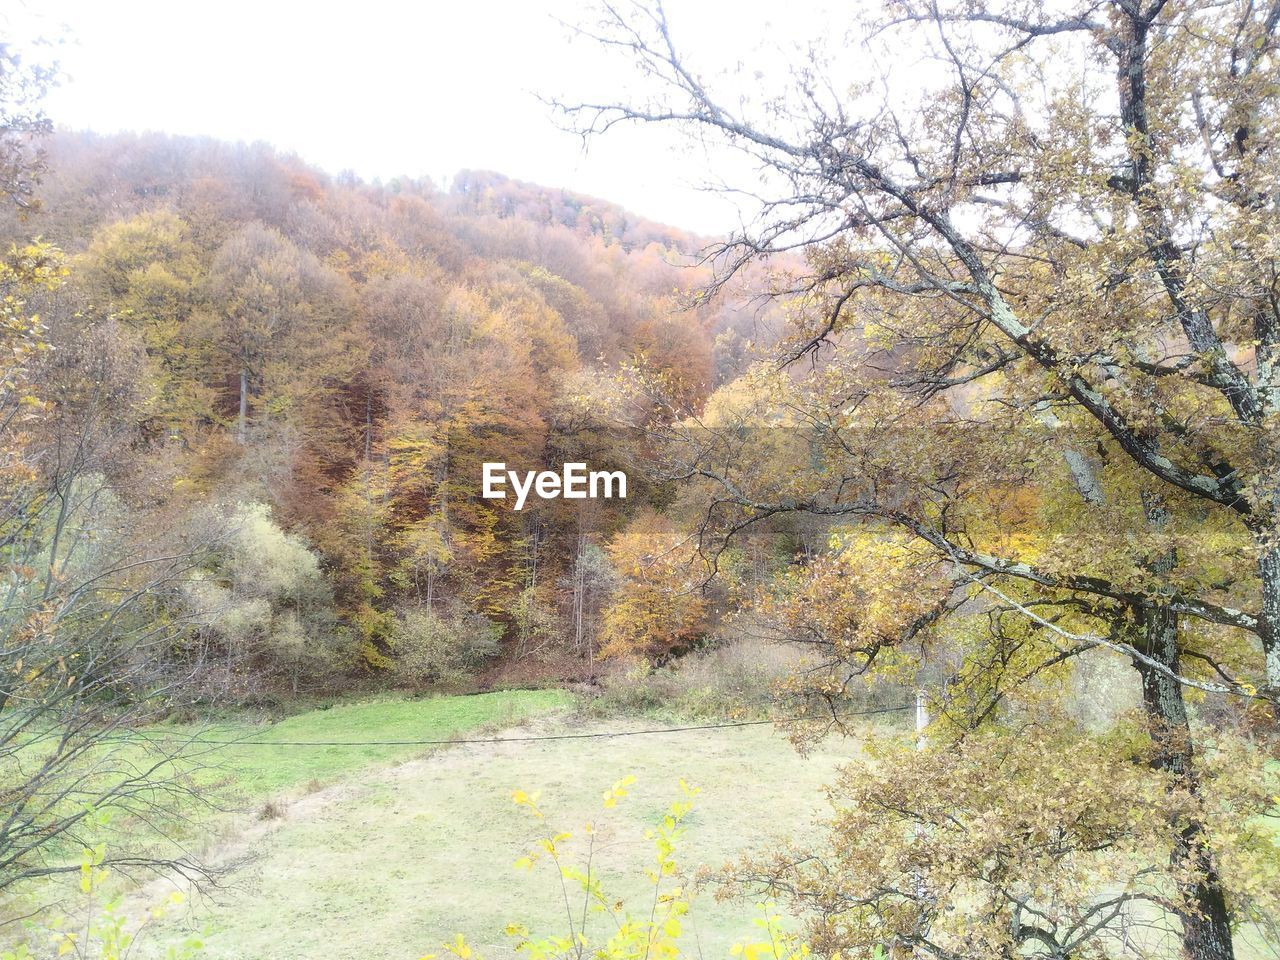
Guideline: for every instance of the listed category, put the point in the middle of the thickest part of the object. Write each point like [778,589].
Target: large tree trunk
[1269,614]
[1206,926]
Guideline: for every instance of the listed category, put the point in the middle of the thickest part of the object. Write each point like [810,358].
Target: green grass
[385,852]
[390,862]
[240,778]
[261,771]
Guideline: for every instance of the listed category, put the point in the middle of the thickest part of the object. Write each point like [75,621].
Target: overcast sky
[384,87]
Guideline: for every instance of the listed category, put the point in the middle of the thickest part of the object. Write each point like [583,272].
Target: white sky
[417,88]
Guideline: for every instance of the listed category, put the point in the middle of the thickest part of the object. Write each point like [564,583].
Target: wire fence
[542,738]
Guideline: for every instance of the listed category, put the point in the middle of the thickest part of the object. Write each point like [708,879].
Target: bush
[266,561]
[263,595]
[732,679]
[429,646]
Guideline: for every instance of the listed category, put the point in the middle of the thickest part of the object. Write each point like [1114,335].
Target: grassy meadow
[262,772]
[387,851]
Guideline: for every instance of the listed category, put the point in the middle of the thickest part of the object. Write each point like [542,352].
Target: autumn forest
[944,519]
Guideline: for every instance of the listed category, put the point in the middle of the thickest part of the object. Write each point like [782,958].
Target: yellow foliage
[657,606]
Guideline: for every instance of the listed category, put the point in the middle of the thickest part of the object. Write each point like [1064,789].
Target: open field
[240,779]
[385,851]
[261,772]
[391,861]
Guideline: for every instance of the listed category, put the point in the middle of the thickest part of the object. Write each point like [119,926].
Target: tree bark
[1269,614]
[368,422]
[244,405]
[1205,919]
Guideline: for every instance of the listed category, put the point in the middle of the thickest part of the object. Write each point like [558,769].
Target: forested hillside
[283,365]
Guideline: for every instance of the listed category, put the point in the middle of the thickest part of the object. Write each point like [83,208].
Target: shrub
[266,561]
[264,595]
[742,677]
[731,679]
[429,646]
